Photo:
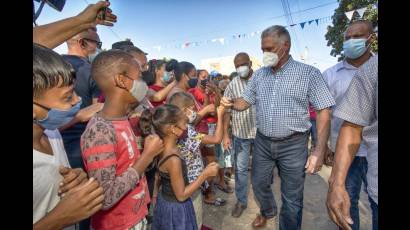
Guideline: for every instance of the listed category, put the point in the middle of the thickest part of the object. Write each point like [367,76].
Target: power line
[243,24]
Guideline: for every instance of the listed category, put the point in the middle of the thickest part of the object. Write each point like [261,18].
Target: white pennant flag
[361,11]
[349,14]
[222,40]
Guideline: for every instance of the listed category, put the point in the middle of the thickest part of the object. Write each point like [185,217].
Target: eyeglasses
[99,44]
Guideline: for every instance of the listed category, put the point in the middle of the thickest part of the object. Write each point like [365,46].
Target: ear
[82,42]
[119,80]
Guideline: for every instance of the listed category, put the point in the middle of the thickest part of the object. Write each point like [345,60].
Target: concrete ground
[314,212]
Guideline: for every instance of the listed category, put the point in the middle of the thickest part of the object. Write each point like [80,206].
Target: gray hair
[277,31]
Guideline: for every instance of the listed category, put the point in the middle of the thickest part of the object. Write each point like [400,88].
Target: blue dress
[169,213]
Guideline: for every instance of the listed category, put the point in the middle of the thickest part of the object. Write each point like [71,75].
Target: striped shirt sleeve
[98,152]
[249,94]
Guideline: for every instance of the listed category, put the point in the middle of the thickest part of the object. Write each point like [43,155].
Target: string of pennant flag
[227,39]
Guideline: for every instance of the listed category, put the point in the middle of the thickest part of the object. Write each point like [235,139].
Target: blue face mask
[57,118]
[166,77]
[355,47]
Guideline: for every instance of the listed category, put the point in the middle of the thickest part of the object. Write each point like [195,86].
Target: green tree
[334,35]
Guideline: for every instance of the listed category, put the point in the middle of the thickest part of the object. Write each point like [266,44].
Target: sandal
[217,202]
[225,189]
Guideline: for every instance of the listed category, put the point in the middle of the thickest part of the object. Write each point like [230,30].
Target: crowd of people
[123,142]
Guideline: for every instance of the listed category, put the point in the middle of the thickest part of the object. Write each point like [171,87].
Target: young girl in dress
[174,209]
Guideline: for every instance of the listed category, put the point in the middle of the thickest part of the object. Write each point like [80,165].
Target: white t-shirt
[46,177]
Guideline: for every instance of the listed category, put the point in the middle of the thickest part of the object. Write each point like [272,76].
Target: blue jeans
[242,149]
[290,156]
[355,177]
[375,214]
[313,132]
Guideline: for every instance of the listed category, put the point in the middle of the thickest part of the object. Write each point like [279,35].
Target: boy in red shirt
[109,147]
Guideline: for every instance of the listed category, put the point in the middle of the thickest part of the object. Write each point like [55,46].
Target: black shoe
[238,209]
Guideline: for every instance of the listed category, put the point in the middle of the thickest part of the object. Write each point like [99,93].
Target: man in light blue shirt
[356,47]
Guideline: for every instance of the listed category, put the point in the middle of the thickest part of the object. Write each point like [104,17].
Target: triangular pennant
[317,21]
[361,11]
[302,24]
[222,40]
[310,21]
[349,14]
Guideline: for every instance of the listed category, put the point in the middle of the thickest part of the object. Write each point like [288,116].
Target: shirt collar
[344,65]
[284,66]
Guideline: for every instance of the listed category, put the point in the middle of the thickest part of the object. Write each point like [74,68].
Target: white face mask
[243,71]
[271,59]
[139,90]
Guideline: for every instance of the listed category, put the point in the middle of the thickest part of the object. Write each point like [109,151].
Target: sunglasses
[99,44]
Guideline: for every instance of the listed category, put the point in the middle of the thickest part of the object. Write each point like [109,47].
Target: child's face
[180,128]
[61,98]
[190,112]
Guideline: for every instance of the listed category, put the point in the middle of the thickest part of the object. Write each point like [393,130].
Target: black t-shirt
[85,86]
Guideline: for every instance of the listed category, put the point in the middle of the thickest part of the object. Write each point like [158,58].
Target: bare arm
[95,100]
[217,138]
[203,112]
[338,200]
[53,34]
[323,129]
[348,144]
[240,104]
[162,94]
[315,160]
[226,138]
[79,203]
[84,115]
[182,192]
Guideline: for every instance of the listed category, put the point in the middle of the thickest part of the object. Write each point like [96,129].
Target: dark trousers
[354,180]
[290,157]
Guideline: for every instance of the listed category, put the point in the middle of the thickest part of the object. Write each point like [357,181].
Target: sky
[171,23]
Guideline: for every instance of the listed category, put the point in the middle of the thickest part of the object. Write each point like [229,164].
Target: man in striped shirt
[243,131]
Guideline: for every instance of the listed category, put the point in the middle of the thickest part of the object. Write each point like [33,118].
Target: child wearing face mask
[174,208]
[189,145]
[109,147]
